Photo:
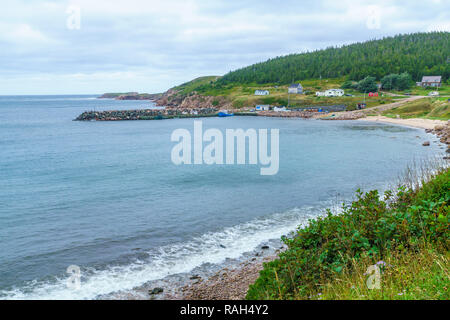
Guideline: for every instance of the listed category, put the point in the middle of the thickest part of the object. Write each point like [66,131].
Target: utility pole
[289,98]
[289,94]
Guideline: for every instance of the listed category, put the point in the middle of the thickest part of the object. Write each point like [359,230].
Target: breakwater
[145,114]
[171,113]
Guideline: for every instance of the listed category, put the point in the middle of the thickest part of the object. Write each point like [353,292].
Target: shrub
[368,228]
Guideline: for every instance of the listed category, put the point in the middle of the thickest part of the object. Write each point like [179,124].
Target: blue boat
[225,114]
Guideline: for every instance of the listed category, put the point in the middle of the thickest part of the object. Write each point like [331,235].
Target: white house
[331,93]
[279,109]
[262,107]
[296,88]
[262,92]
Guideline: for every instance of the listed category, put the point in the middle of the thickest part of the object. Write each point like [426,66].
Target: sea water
[105,196]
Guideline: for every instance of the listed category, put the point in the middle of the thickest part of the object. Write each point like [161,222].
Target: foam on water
[230,243]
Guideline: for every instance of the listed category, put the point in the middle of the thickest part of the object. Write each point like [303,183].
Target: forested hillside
[418,54]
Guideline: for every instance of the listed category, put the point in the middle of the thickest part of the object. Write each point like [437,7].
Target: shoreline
[426,124]
[226,284]
[231,281]
[233,284]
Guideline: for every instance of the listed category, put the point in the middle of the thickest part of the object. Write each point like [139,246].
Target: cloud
[24,34]
[153,45]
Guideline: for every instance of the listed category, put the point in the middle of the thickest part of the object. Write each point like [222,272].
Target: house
[262,93]
[262,107]
[280,109]
[331,93]
[430,81]
[296,88]
[334,93]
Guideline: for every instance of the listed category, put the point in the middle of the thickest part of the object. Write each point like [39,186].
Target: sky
[92,47]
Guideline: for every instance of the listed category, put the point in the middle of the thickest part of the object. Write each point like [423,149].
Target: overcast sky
[46,47]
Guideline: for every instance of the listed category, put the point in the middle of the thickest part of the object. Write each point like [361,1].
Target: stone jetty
[145,114]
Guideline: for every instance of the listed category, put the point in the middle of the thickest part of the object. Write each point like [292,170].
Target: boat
[225,114]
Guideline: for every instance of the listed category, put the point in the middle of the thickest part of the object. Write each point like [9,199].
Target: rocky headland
[175,99]
[130,96]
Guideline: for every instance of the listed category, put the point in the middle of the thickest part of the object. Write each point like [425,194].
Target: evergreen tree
[417,54]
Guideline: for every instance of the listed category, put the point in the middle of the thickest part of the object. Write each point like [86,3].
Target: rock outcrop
[443,133]
[175,99]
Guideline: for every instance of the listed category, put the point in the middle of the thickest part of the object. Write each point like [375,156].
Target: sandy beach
[415,123]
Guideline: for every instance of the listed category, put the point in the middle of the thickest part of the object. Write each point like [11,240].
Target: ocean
[105,196]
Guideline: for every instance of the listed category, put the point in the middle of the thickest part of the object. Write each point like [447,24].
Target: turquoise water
[105,195]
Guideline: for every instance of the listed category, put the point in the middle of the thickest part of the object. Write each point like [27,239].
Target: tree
[388,82]
[348,85]
[396,81]
[404,81]
[368,84]
[417,54]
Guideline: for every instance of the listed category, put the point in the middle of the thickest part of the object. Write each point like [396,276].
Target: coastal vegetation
[403,234]
[429,108]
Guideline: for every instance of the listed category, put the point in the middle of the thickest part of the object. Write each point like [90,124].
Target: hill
[418,54]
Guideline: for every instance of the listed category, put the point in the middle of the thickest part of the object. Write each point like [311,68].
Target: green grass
[242,96]
[407,275]
[195,84]
[429,108]
[419,91]
[331,254]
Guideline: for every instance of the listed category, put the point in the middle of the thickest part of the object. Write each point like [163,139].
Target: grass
[407,229]
[242,96]
[404,275]
[419,91]
[429,108]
